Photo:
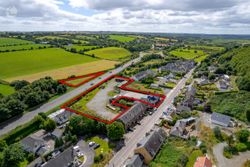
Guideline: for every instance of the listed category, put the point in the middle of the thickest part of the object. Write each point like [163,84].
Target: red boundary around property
[123,87]
[91,75]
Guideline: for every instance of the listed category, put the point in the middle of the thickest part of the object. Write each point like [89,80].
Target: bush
[241,147]
[98,158]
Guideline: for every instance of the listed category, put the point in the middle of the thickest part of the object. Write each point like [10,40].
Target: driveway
[88,153]
[236,161]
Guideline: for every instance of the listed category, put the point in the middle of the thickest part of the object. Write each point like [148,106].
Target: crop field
[22,47]
[197,55]
[13,64]
[111,53]
[61,73]
[122,38]
[13,41]
[80,47]
[6,89]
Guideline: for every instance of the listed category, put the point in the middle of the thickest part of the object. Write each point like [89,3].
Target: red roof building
[202,162]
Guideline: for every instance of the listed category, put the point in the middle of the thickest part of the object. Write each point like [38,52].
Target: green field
[22,47]
[19,63]
[208,48]
[197,55]
[122,38]
[6,89]
[80,47]
[111,53]
[13,41]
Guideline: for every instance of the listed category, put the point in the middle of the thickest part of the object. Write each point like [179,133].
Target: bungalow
[180,129]
[135,161]
[144,74]
[149,146]
[61,116]
[221,119]
[35,143]
[133,115]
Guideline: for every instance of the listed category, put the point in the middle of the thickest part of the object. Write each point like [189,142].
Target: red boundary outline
[123,87]
[91,75]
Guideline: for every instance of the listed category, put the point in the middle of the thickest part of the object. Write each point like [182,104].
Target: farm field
[13,41]
[197,55]
[111,53]
[13,64]
[22,47]
[80,47]
[6,89]
[61,73]
[122,38]
[208,48]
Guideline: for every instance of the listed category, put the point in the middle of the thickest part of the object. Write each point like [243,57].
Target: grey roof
[57,133]
[135,161]
[179,66]
[62,160]
[133,113]
[152,142]
[179,129]
[61,116]
[144,74]
[220,118]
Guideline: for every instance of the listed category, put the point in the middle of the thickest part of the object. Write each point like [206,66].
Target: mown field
[19,63]
[13,41]
[6,89]
[122,38]
[22,47]
[197,55]
[111,53]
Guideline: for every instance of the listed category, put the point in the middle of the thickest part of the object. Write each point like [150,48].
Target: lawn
[170,85]
[197,55]
[78,80]
[13,41]
[111,53]
[6,89]
[192,157]
[141,87]
[22,47]
[19,63]
[122,38]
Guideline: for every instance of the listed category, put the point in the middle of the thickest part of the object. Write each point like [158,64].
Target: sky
[170,16]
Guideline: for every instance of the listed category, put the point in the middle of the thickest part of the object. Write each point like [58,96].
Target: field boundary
[123,87]
[91,75]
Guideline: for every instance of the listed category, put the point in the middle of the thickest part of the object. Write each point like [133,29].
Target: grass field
[122,38]
[6,89]
[79,47]
[13,41]
[19,63]
[22,47]
[79,80]
[208,48]
[197,55]
[65,72]
[111,53]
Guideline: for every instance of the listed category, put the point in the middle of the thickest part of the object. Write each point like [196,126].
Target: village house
[221,119]
[133,115]
[223,84]
[144,74]
[149,146]
[188,102]
[179,66]
[36,143]
[135,161]
[182,128]
[61,116]
[203,162]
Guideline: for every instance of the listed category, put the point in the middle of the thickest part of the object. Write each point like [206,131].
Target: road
[62,99]
[132,138]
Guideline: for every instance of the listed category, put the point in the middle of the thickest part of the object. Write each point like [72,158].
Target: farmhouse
[144,74]
[133,115]
[221,119]
[181,128]
[35,143]
[149,146]
[61,116]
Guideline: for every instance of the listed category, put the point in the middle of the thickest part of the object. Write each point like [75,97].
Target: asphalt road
[62,99]
[132,138]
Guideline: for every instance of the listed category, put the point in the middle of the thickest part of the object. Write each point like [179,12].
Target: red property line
[91,75]
[123,87]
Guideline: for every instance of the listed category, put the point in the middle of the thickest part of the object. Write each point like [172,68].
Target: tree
[49,125]
[3,145]
[58,142]
[243,135]
[19,84]
[248,115]
[243,83]
[13,155]
[217,133]
[115,131]
[15,106]
[61,89]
